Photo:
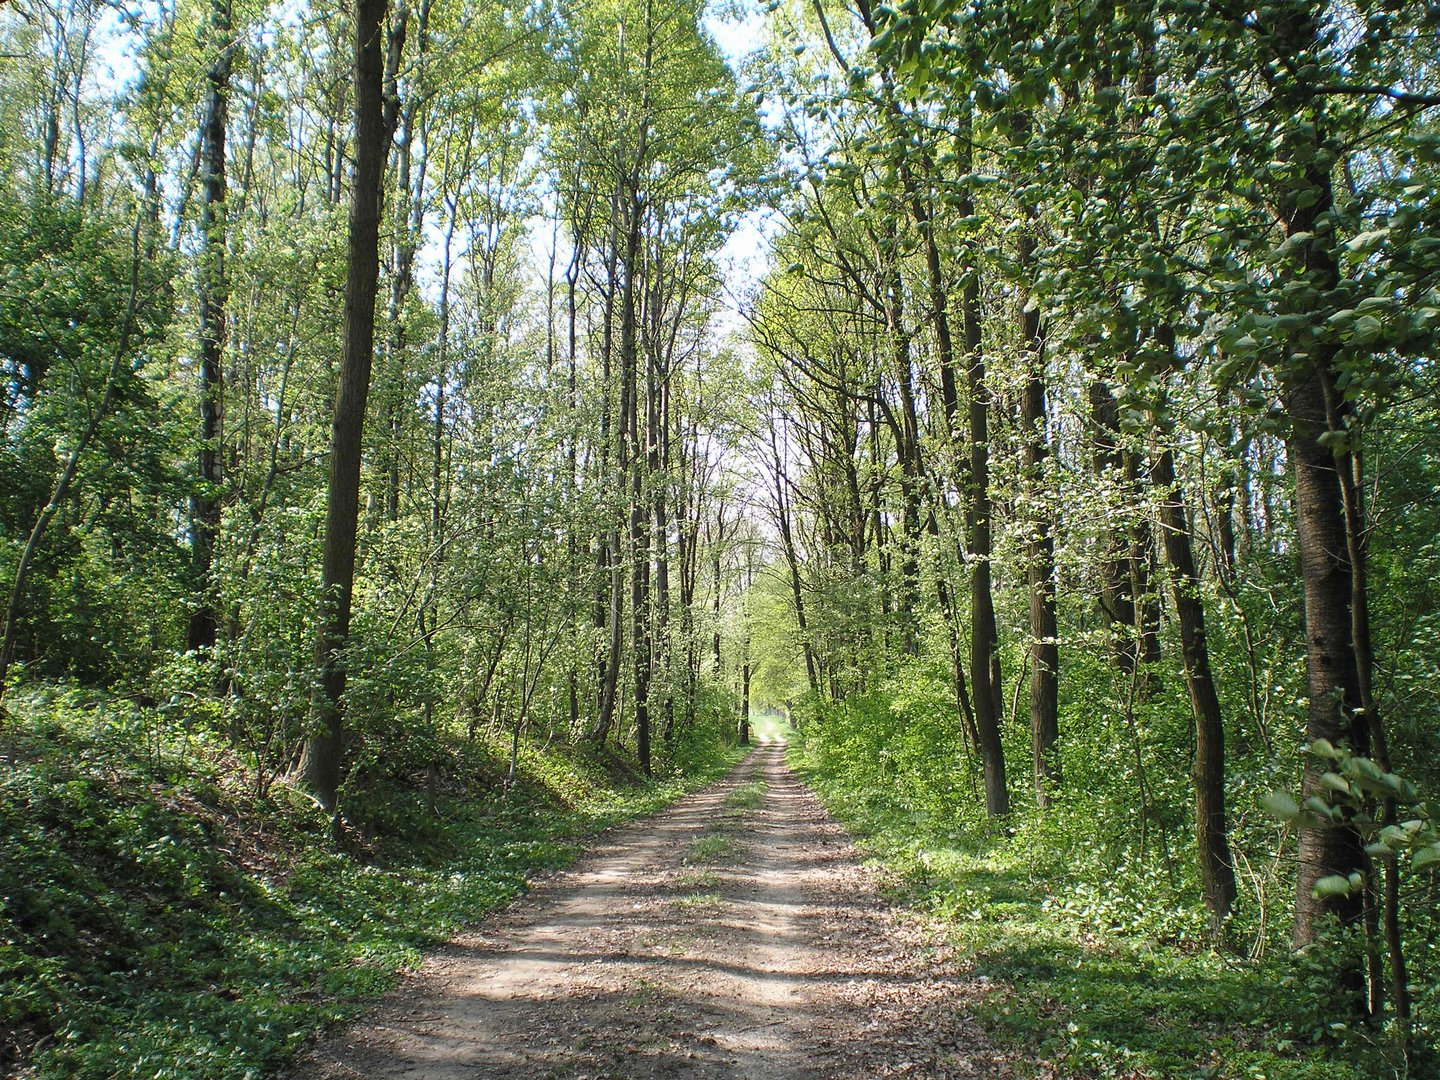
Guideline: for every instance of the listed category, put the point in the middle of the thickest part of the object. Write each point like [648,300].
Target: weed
[643,992]
[697,880]
[700,902]
[749,796]
[713,848]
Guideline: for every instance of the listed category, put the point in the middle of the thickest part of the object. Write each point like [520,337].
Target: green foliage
[1099,976]
[694,746]
[1352,793]
[82,319]
[161,920]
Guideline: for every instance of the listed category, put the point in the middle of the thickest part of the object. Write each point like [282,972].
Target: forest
[431,429]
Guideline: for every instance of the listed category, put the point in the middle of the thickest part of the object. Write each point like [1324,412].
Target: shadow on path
[716,939]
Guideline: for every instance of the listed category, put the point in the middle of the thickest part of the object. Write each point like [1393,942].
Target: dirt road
[734,935]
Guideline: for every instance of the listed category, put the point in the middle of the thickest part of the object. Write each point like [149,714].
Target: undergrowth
[1091,976]
[160,919]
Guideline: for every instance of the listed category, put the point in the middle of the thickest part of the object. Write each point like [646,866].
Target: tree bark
[984,639]
[907,447]
[1117,601]
[319,768]
[212,300]
[1212,840]
[1040,561]
[792,562]
[609,584]
[1303,205]
[637,460]
[1335,710]
[744,726]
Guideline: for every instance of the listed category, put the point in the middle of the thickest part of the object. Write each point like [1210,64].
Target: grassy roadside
[158,918]
[1084,995]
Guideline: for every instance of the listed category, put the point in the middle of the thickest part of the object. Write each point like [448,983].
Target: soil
[734,935]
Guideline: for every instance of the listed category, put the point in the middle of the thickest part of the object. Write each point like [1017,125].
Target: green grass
[749,796]
[700,902]
[1081,986]
[699,881]
[712,848]
[157,919]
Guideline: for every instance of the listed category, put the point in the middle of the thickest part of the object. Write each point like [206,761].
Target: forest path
[734,935]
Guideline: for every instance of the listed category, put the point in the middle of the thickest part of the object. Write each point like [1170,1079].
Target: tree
[319,766]
[212,296]
[68,378]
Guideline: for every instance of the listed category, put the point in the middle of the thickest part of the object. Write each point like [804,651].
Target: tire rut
[716,939]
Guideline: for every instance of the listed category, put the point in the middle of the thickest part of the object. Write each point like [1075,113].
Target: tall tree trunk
[319,767]
[1040,559]
[792,562]
[1212,840]
[922,212]
[717,599]
[213,296]
[1327,574]
[1352,493]
[609,617]
[1140,565]
[1335,711]
[745,698]
[572,453]
[984,639]
[1310,397]
[609,592]
[637,460]
[659,440]
[907,447]
[1117,601]
[688,509]
[428,615]
[963,705]
[408,221]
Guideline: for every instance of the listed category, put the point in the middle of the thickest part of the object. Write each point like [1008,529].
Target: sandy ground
[734,935]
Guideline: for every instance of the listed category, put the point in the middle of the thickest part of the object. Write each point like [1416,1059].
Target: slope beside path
[734,935]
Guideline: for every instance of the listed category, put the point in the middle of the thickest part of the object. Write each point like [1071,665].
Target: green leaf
[1281,804]
[1293,241]
[1332,885]
[1363,767]
[1427,856]
[1335,782]
[1365,241]
[1366,329]
[1394,836]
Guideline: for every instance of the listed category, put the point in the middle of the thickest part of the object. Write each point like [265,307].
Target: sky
[738,27]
